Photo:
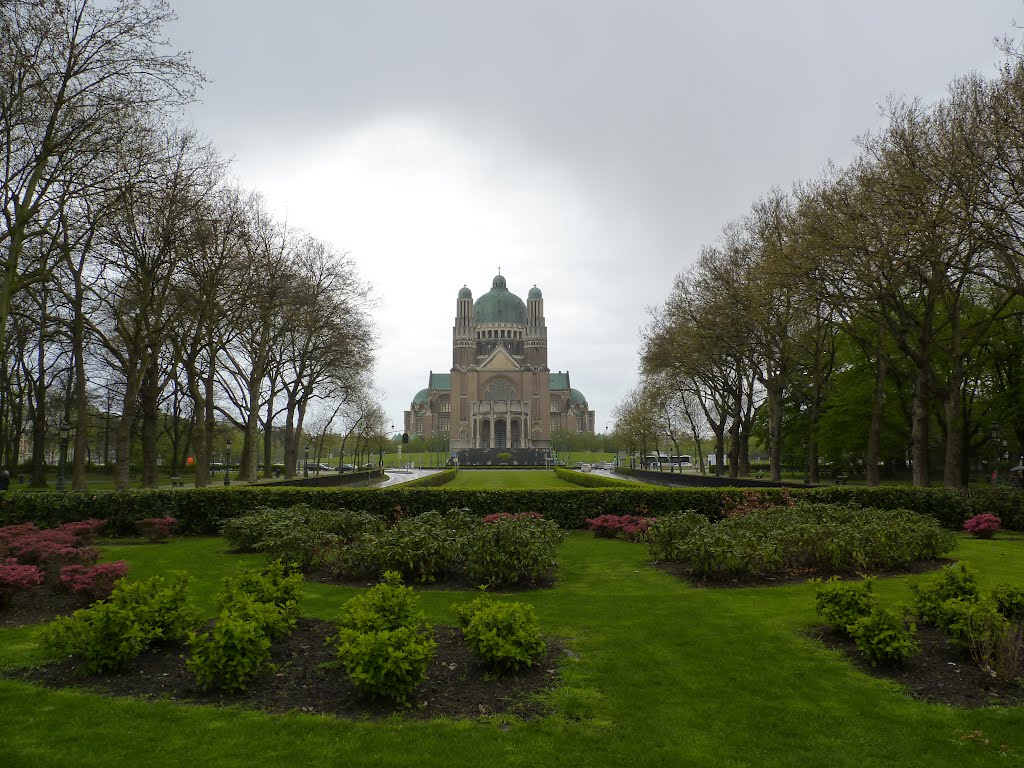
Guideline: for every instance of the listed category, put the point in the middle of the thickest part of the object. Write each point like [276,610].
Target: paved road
[396,477]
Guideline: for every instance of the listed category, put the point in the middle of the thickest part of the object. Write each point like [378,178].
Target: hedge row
[201,511]
[587,480]
[433,480]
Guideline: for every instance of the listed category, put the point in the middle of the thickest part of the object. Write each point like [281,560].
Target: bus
[657,460]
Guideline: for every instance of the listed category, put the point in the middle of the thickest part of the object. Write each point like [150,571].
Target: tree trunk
[920,426]
[775,429]
[873,451]
[952,474]
[149,395]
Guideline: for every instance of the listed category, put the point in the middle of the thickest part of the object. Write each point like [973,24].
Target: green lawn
[665,675]
[508,478]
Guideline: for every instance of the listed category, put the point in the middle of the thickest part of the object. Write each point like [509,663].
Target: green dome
[577,397]
[534,293]
[421,397]
[499,306]
[465,293]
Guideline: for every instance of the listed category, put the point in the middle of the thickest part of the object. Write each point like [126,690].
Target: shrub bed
[798,540]
[201,511]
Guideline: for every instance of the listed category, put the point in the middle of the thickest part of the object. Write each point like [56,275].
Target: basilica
[499,393]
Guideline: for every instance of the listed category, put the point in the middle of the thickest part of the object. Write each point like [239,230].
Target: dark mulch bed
[39,604]
[456,685]
[682,571]
[449,583]
[940,673]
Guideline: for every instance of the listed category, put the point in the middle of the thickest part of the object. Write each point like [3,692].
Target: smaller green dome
[465,293]
[534,293]
[577,397]
[498,283]
[421,397]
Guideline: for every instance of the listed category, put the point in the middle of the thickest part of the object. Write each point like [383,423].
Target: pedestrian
[5,480]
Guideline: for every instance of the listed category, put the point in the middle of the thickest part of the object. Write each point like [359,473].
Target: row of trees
[136,278]
[874,313]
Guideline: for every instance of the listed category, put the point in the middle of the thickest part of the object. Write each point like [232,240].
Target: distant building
[500,392]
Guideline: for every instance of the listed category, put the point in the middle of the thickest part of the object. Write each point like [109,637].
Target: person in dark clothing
[5,480]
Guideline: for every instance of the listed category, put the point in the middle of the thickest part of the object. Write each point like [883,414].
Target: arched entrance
[500,434]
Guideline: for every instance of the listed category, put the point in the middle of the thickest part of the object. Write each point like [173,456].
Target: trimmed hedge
[431,481]
[589,480]
[200,511]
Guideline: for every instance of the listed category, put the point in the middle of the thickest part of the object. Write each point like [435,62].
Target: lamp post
[227,464]
[62,450]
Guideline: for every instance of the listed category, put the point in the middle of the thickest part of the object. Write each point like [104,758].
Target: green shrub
[387,605]
[843,603]
[109,633]
[233,652]
[245,533]
[932,597]
[805,537]
[1010,601]
[504,636]
[883,637]
[382,641]
[389,663]
[269,585]
[512,550]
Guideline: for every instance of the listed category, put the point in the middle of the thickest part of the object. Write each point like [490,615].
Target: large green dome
[498,305]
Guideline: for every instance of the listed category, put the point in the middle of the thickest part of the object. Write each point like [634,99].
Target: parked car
[348,468]
[585,467]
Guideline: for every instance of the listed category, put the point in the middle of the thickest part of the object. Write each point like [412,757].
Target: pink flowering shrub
[983,526]
[96,581]
[50,550]
[14,577]
[85,531]
[12,533]
[156,528]
[631,527]
[508,516]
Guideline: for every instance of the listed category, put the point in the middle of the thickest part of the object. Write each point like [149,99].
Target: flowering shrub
[632,527]
[754,501]
[15,576]
[50,549]
[85,531]
[156,528]
[983,526]
[96,581]
[12,533]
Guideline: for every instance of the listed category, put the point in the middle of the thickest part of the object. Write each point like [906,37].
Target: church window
[500,390]
[444,405]
[444,423]
[556,422]
[556,405]
[419,425]
[580,426]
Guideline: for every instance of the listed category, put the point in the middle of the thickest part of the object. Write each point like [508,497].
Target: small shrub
[514,550]
[109,633]
[382,641]
[84,531]
[631,527]
[1009,601]
[50,549]
[931,597]
[104,636]
[504,636]
[96,581]
[389,663]
[983,526]
[883,637]
[269,585]
[232,653]
[841,604]
[156,529]
[15,577]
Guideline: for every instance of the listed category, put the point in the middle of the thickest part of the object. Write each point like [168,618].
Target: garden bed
[305,680]
[40,604]
[685,573]
[939,673]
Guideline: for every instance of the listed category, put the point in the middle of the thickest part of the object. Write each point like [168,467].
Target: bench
[177,482]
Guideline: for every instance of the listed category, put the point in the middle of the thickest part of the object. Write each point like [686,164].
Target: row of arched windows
[499,334]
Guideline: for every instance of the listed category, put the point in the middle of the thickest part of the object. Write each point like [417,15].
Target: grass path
[666,675]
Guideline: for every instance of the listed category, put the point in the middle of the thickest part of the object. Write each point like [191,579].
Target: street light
[227,464]
[62,449]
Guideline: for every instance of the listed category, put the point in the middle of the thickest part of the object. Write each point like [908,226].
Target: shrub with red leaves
[85,531]
[156,528]
[96,581]
[51,550]
[752,501]
[632,527]
[983,526]
[509,516]
[11,533]
[14,577]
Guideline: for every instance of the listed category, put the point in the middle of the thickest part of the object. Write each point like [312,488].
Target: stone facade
[499,392]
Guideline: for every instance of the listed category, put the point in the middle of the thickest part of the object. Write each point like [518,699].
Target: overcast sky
[590,147]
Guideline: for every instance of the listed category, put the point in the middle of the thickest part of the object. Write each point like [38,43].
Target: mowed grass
[508,478]
[662,674]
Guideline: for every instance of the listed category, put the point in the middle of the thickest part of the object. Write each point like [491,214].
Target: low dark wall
[676,479]
[330,481]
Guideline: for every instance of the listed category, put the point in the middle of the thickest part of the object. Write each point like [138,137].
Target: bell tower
[536,331]
[463,334]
